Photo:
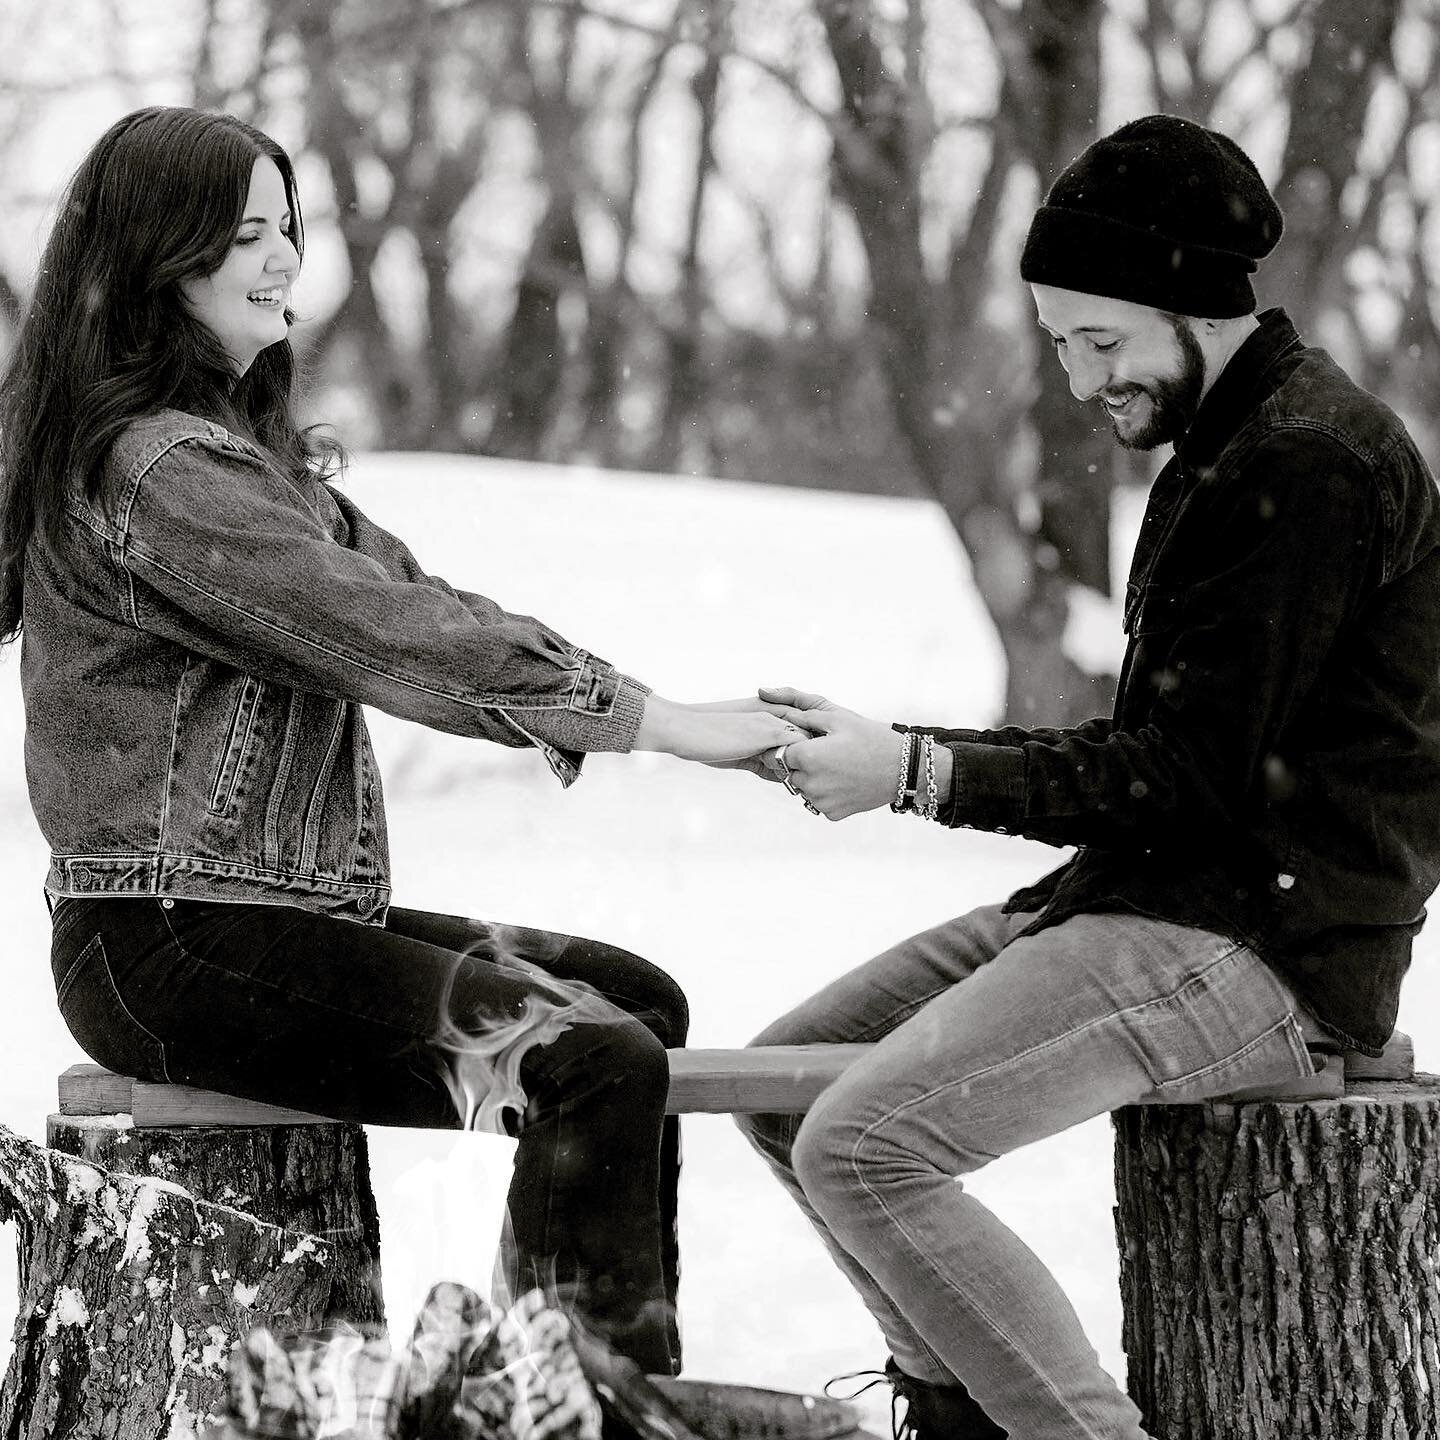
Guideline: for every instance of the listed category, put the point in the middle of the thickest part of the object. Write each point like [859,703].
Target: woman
[203,618]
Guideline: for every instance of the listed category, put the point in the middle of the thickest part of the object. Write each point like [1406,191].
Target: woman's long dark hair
[108,336]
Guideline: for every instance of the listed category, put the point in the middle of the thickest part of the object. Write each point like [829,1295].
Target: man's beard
[1174,399]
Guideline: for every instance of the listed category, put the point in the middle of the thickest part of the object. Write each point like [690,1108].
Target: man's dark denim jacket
[1272,769]
[195,653]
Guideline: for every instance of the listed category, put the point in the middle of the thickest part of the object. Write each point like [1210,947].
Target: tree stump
[145,1255]
[309,1179]
[1278,1265]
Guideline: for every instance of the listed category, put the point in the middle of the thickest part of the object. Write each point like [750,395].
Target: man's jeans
[987,1042]
[280,1004]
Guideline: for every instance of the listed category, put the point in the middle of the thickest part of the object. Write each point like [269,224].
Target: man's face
[1143,365]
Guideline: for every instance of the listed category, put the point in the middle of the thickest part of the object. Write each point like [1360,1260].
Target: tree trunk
[144,1255]
[937,361]
[1329,103]
[684,387]
[1054,116]
[1278,1265]
[533,368]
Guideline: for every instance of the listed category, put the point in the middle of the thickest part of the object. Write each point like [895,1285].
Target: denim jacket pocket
[100,1021]
[237,743]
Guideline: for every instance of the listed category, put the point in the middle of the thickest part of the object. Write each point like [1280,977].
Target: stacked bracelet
[907,781]
[917,759]
[929,807]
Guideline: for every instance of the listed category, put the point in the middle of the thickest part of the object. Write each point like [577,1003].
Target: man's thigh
[1071,1022]
[874,998]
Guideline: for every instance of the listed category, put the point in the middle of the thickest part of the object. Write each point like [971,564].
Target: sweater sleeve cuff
[583,732]
[988,789]
[629,711]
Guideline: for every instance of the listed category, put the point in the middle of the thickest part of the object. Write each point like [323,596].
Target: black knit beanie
[1163,212]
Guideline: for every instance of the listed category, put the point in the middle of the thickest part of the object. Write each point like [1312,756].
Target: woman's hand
[713,734]
[853,763]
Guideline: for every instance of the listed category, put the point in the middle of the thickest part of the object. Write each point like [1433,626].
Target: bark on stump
[1278,1265]
[144,1255]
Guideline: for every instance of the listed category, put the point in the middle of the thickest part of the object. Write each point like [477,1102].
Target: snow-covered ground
[703,590]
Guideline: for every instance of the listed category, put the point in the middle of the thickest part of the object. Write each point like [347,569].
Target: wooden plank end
[93,1090]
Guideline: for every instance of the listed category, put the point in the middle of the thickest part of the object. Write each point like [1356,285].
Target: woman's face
[243,302]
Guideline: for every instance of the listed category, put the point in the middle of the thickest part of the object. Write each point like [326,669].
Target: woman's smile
[243,302]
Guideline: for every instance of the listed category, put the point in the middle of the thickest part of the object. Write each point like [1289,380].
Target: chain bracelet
[931,807]
[906,751]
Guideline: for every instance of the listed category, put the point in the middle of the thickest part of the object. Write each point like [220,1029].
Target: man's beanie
[1163,212]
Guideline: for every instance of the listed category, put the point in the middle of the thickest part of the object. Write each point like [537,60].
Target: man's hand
[850,766]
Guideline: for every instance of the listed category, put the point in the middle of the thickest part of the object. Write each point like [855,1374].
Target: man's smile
[1119,403]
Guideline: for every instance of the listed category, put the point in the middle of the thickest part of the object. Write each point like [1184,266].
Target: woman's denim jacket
[196,650]
[1271,771]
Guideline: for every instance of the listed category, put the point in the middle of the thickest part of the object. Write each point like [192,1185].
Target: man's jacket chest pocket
[1152,609]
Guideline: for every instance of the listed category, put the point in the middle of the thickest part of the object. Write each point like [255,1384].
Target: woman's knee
[622,1053]
[644,990]
[671,1009]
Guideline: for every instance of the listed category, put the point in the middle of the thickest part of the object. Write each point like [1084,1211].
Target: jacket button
[80,877]
[365,904]
[1285,882]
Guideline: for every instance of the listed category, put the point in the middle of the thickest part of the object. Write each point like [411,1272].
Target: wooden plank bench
[781,1078]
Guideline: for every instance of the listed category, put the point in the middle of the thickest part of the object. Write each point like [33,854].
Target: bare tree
[939,352]
[911,365]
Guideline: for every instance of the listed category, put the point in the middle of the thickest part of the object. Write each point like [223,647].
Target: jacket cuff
[576,732]
[988,791]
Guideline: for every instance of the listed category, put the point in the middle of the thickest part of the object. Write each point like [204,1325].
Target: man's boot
[939,1412]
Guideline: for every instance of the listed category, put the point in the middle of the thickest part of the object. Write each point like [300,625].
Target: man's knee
[826,1151]
[772,1135]
[849,1144]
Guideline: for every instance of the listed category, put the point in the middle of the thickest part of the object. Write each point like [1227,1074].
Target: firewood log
[469,1372]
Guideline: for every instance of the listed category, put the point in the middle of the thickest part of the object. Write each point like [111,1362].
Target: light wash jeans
[989,1040]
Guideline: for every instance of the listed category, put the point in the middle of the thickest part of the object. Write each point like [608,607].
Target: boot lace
[901,1427]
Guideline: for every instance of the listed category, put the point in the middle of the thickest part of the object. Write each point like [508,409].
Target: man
[1256,824]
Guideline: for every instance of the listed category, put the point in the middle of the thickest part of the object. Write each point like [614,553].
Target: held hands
[850,764]
[728,733]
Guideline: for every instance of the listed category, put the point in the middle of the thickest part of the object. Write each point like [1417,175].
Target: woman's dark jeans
[283,1005]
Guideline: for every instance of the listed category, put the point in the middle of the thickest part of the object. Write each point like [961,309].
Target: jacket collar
[1251,375]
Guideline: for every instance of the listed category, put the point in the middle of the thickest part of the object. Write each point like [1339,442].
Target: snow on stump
[145,1255]
[1278,1265]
